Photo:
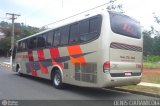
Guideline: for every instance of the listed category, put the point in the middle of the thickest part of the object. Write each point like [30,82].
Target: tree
[157,18]
[156,45]
[28,30]
[20,30]
[147,43]
[152,44]
[4,24]
[5,45]
[114,6]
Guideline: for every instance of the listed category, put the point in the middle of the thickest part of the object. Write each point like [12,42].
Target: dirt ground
[151,72]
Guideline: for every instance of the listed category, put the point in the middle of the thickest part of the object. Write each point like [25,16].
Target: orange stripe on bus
[73,50]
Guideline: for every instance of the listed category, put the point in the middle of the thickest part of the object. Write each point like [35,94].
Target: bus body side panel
[21,59]
[81,65]
[104,78]
[85,69]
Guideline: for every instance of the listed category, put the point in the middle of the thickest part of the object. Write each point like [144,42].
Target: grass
[150,76]
[151,65]
[151,79]
[152,90]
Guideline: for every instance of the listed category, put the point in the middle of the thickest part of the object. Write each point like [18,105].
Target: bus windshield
[124,25]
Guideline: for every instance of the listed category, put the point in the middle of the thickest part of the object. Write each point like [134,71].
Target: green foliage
[152,59]
[28,30]
[151,45]
[156,47]
[4,24]
[151,65]
[5,45]
[147,43]
[20,30]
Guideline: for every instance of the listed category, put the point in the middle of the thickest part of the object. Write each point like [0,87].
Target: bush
[152,59]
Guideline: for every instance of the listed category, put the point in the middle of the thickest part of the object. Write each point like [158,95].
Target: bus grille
[86,72]
[122,46]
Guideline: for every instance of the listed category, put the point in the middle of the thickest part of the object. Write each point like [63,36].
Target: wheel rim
[57,79]
[19,70]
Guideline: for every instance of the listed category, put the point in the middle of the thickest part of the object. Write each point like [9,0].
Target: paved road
[4,59]
[15,87]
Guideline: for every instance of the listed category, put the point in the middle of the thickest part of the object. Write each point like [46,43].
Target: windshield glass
[124,25]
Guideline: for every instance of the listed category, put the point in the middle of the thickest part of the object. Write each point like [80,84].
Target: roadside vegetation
[21,31]
[152,62]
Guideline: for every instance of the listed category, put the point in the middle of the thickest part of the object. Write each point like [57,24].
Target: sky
[42,12]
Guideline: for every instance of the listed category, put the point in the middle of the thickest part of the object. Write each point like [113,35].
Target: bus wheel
[57,79]
[18,70]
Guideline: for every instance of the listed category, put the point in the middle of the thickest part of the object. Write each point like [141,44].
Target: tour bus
[96,48]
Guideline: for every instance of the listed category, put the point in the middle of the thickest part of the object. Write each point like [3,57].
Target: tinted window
[41,41]
[57,36]
[94,24]
[74,33]
[64,35]
[124,25]
[27,44]
[78,32]
[49,38]
[84,27]
[23,45]
[33,43]
[19,46]
[90,28]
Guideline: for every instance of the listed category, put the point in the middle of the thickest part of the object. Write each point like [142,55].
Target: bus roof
[101,7]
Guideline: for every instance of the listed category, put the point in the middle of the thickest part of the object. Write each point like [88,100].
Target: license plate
[127,73]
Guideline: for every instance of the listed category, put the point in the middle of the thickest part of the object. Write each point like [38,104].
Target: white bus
[97,48]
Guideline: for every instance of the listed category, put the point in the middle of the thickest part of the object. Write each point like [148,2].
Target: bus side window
[49,39]
[57,37]
[41,41]
[64,35]
[83,30]
[84,27]
[44,36]
[33,43]
[19,46]
[94,25]
[26,43]
[23,45]
[74,33]
[93,29]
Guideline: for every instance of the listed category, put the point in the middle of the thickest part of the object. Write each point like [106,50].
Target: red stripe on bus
[54,52]
[30,55]
[44,70]
[34,72]
[40,55]
[23,56]
[73,50]
[59,64]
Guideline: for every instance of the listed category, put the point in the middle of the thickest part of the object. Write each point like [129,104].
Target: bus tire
[57,79]
[18,70]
